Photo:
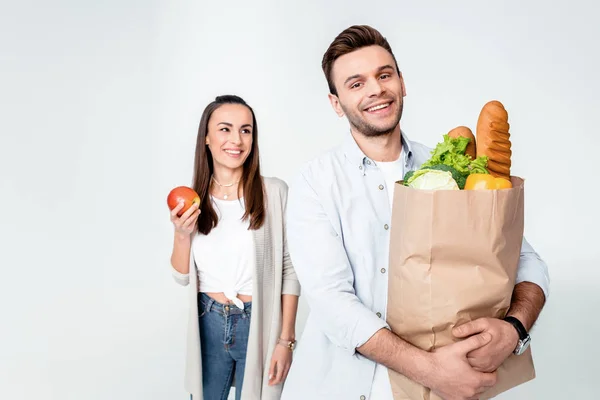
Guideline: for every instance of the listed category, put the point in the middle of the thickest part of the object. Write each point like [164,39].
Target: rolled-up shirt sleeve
[324,271]
[182,279]
[533,269]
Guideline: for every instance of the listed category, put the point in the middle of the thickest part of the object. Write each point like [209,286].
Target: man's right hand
[452,377]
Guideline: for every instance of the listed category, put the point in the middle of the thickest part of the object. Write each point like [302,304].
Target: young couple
[246,281]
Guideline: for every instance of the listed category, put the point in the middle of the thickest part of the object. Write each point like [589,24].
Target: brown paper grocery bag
[453,258]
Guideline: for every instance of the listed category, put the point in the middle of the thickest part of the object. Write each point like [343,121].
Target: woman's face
[229,136]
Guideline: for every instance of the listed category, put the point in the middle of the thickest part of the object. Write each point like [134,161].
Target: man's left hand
[504,341]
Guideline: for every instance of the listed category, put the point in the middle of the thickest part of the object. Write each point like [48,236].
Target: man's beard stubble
[368,130]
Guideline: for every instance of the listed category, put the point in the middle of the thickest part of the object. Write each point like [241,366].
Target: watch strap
[518,326]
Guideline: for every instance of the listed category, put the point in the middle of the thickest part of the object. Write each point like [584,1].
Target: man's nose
[374,88]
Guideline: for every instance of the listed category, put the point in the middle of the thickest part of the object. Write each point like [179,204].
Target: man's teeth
[379,107]
[236,152]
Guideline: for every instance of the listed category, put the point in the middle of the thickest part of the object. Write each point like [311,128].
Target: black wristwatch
[524,338]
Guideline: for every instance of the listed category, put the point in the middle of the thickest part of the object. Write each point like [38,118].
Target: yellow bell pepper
[486,181]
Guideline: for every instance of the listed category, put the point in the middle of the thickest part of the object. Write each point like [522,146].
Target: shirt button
[379,314]
[380,187]
[368,162]
[363,398]
[383,270]
[386,227]
[360,167]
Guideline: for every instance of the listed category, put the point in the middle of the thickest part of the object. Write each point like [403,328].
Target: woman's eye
[246,131]
[224,129]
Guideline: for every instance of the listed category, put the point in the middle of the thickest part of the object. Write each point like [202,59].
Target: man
[339,212]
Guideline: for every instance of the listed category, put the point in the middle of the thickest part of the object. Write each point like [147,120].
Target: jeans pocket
[203,307]
[202,311]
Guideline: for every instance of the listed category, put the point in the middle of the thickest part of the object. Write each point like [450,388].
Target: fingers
[272,371]
[480,364]
[280,371]
[488,379]
[275,376]
[474,342]
[189,211]
[285,372]
[470,328]
[191,220]
[483,359]
[187,219]
[475,364]
[175,211]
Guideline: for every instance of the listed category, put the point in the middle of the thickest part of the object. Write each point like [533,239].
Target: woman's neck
[225,183]
[227,176]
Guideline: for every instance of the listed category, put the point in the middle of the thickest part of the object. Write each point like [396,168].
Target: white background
[100,103]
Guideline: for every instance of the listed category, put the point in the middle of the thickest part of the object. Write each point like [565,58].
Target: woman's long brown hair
[251,179]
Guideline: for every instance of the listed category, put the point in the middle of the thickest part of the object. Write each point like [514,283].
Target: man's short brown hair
[351,39]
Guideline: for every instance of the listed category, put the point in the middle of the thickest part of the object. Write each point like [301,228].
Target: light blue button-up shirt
[338,227]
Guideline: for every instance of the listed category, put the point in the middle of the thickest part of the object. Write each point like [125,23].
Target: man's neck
[380,148]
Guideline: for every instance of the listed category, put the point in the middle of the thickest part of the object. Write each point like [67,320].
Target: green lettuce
[451,152]
[479,165]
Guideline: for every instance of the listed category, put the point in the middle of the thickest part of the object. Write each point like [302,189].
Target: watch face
[522,345]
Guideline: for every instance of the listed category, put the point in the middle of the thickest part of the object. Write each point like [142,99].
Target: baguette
[493,138]
[465,132]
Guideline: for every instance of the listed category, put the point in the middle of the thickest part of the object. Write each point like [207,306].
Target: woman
[233,248]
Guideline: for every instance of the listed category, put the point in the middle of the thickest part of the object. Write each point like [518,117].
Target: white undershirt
[226,256]
[393,171]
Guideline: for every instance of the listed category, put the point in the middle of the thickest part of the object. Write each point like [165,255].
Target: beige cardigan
[273,277]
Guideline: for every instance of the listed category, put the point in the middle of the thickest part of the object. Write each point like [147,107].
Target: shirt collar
[358,158]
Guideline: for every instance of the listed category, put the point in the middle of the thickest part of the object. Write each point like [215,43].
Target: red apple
[185,194]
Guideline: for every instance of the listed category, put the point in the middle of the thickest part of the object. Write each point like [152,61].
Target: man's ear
[335,103]
[402,83]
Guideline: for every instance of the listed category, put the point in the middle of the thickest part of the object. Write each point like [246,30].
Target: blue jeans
[224,333]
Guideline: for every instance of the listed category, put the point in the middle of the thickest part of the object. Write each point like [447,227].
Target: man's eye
[354,86]
[385,76]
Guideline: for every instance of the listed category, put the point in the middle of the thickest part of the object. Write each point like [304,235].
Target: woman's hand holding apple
[185,224]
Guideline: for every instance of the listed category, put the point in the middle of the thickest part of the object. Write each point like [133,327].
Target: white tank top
[226,256]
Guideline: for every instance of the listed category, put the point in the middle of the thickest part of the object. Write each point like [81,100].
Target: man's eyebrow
[383,67]
[352,77]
